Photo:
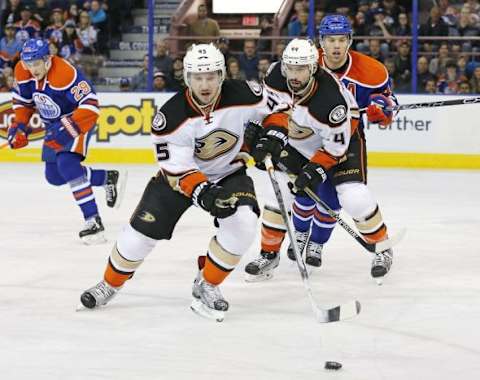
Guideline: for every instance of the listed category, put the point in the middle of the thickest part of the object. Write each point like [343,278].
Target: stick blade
[339,313]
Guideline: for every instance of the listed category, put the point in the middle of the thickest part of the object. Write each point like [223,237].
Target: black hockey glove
[215,199]
[272,142]
[311,176]
[253,132]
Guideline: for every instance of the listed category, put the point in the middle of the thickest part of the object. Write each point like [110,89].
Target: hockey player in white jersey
[199,142]
[323,118]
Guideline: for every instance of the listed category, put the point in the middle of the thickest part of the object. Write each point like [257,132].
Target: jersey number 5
[80,90]
[162,152]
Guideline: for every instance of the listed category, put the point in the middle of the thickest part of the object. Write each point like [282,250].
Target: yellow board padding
[375,159]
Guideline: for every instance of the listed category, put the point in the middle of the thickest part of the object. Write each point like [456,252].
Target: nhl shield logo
[159,122]
[338,114]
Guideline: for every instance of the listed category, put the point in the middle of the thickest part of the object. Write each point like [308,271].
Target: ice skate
[115,187]
[301,238]
[208,300]
[313,254]
[381,264]
[261,269]
[93,232]
[99,295]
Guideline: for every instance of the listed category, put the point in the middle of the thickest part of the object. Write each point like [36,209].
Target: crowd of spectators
[77,30]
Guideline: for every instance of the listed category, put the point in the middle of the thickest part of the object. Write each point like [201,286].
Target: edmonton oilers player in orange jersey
[68,107]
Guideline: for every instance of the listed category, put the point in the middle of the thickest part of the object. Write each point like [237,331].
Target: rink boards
[442,137]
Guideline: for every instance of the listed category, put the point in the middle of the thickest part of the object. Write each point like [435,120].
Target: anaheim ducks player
[323,117]
[198,138]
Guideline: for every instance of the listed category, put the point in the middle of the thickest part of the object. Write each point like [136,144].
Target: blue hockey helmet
[335,25]
[34,49]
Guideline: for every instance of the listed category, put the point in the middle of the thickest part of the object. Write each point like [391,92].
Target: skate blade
[258,277]
[96,239]
[199,308]
[121,184]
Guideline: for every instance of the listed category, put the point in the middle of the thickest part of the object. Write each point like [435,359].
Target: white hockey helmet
[203,58]
[301,52]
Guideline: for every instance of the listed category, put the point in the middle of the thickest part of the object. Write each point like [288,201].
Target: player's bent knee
[133,245]
[357,199]
[237,232]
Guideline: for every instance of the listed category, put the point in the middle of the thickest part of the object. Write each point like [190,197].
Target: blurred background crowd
[108,39]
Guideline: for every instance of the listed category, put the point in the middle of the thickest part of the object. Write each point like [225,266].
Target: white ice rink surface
[423,323]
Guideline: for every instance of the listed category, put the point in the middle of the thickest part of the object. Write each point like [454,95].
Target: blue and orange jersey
[63,92]
[364,76]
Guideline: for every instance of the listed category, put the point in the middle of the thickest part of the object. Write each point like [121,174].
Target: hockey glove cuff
[377,111]
[272,142]
[311,176]
[17,135]
[215,199]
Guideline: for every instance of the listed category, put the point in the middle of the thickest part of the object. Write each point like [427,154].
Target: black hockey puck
[333,365]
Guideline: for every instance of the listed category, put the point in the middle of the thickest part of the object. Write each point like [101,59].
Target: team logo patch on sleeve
[255,87]
[338,114]
[159,122]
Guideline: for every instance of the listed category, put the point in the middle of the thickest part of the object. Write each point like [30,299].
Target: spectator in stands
[41,13]
[423,75]
[340,6]
[53,48]
[223,46]
[5,61]
[431,87]
[178,82]
[11,13]
[266,30]
[54,31]
[87,34]
[234,71]
[403,27]
[438,64]
[448,83]
[402,67]
[390,65]
[3,83]
[359,25]
[475,81]
[279,48]
[298,27]
[9,44]
[474,6]
[98,18]
[161,59]
[319,15]
[375,50]
[464,88]
[462,65]
[124,85]
[160,82]
[203,26]
[263,65]
[26,27]
[73,13]
[298,6]
[249,59]
[71,45]
[139,81]
[379,29]
[434,26]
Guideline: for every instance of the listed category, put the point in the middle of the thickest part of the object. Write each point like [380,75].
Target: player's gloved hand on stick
[17,135]
[311,176]
[377,111]
[272,142]
[217,200]
[62,132]
[253,132]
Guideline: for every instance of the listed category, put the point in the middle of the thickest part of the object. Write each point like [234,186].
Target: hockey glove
[272,142]
[62,132]
[215,199]
[311,176]
[17,136]
[377,111]
[253,132]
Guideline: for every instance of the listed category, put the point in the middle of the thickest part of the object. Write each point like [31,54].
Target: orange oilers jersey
[363,77]
[63,92]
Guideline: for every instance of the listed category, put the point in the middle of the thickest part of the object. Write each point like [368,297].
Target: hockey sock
[302,213]
[322,226]
[69,167]
[219,263]
[273,230]
[119,269]
[97,177]
[372,227]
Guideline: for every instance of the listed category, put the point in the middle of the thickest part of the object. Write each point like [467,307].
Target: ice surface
[423,323]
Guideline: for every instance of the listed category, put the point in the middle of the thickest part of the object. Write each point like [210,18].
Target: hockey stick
[440,103]
[334,314]
[371,247]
